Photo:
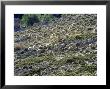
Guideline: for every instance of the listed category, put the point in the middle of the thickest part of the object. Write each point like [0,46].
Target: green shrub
[30,19]
[44,18]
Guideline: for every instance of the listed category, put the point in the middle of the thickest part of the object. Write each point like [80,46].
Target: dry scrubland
[66,46]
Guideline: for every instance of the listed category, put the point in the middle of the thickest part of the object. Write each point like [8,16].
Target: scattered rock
[57,47]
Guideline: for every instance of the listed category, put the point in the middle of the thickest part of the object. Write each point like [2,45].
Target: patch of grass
[90,68]
[86,70]
[85,36]
[33,60]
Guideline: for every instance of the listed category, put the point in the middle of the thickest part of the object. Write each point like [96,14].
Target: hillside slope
[67,46]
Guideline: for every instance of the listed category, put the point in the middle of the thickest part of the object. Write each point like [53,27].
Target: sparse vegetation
[56,45]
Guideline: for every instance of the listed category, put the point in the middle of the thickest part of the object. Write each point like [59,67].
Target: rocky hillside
[66,46]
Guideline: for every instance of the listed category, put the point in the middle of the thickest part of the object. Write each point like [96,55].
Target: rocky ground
[65,47]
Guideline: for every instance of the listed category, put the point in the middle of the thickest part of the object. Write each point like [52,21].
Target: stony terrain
[67,46]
